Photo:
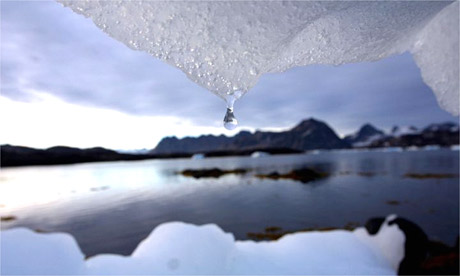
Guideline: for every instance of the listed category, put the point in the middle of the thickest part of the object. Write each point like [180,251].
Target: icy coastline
[181,248]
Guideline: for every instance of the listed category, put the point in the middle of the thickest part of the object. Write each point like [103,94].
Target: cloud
[387,92]
[48,48]
[49,121]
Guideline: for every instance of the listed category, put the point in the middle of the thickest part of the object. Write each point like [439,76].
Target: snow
[181,248]
[259,154]
[225,46]
[403,130]
[198,156]
[391,149]
[369,140]
[133,151]
[412,148]
[431,147]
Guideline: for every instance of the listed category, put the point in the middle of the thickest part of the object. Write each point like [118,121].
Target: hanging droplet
[230,122]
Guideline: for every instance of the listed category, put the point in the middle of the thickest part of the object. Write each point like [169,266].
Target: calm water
[111,207]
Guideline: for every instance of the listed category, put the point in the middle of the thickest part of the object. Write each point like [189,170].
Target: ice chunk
[436,52]
[333,252]
[25,252]
[393,251]
[225,46]
[180,248]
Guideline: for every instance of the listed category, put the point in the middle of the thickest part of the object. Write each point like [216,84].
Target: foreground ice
[180,248]
[225,46]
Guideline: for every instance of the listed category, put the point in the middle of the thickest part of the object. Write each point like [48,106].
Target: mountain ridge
[307,135]
[364,135]
[310,134]
[367,136]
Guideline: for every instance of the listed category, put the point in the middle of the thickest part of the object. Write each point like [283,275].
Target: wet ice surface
[111,207]
[225,46]
[179,248]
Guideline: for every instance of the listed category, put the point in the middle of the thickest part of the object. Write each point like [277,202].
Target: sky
[65,82]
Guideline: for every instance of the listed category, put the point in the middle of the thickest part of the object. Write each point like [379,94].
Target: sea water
[110,207]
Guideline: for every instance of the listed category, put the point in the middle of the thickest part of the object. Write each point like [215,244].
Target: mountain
[24,156]
[442,127]
[204,143]
[309,134]
[404,130]
[441,134]
[364,136]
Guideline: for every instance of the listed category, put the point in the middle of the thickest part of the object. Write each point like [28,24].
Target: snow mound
[180,248]
[225,46]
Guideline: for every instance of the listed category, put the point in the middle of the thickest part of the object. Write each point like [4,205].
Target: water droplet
[230,121]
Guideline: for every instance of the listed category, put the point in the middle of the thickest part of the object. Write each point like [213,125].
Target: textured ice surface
[227,46]
[180,248]
[25,252]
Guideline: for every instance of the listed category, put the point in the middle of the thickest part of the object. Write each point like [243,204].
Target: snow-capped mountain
[397,131]
[449,126]
[440,134]
[364,136]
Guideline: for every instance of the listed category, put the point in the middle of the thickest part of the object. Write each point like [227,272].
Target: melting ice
[225,46]
[183,249]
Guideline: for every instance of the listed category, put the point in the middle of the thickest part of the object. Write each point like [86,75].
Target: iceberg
[180,248]
[225,46]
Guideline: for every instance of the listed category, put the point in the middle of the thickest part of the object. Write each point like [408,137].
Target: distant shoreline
[18,156]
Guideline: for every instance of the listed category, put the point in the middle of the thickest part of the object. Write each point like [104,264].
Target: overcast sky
[65,82]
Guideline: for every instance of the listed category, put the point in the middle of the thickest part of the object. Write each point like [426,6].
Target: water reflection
[110,207]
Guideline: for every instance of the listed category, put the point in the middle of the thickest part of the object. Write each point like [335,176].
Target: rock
[421,256]
[303,175]
[373,225]
[430,175]
[215,172]
[8,218]
[415,247]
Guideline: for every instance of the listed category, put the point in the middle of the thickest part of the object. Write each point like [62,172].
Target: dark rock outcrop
[421,255]
[304,175]
[214,173]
